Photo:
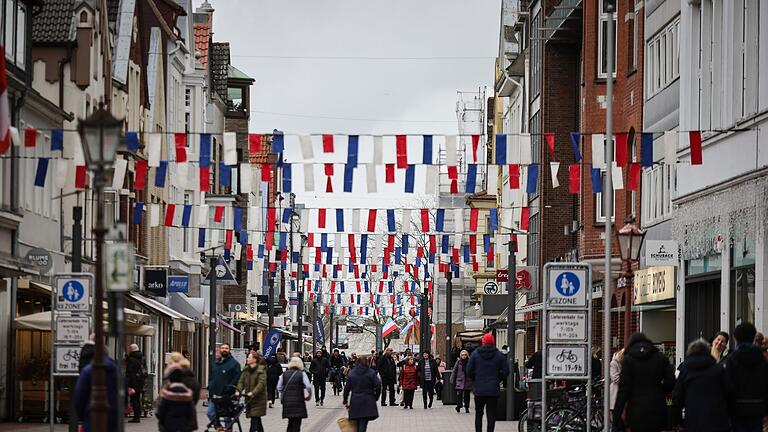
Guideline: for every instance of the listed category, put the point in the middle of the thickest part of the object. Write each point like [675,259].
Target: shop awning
[666,305]
[189,306]
[180,322]
[41,321]
[230,326]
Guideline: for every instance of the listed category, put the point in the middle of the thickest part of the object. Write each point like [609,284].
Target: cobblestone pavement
[442,418]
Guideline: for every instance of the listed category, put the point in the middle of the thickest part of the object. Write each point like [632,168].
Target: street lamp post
[630,242]
[100,135]
[300,283]
[448,316]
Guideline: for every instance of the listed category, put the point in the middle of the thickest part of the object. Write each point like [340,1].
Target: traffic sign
[567,360]
[119,256]
[73,294]
[72,329]
[567,287]
[567,326]
[67,359]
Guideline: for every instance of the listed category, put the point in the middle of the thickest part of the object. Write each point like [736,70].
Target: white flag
[430,183]
[16,137]
[406,221]
[493,180]
[554,167]
[458,219]
[524,149]
[121,165]
[598,151]
[670,147]
[154,147]
[309,177]
[378,144]
[370,178]
[154,215]
[355,220]
[62,172]
[306,147]
[202,216]
[230,148]
[451,153]
[304,220]
[617,176]
[246,176]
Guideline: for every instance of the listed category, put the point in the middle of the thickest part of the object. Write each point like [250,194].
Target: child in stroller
[229,406]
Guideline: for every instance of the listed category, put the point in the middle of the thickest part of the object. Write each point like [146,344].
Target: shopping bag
[347,425]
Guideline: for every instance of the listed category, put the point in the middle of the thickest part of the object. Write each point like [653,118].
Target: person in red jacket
[409,380]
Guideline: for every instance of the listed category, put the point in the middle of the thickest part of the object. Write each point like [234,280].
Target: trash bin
[449,393]
[520,404]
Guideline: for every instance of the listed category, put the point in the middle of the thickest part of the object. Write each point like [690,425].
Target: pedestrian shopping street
[442,418]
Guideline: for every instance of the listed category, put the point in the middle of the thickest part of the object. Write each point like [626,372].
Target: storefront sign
[567,360]
[72,329]
[73,294]
[262,303]
[526,277]
[156,281]
[566,326]
[178,284]
[490,288]
[654,284]
[237,308]
[67,357]
[661,253]
[40,259]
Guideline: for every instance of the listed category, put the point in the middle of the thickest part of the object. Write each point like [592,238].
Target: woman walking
[462,382]
[179,371]
[365,387]
[175,409]
[274,371]
[429,374]
[292,386]
[615,375]
[409,380]
[253,385]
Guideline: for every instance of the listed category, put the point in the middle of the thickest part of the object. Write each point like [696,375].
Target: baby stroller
[228,406]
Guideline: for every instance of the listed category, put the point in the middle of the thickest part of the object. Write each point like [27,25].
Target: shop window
[707,264]
[14,21]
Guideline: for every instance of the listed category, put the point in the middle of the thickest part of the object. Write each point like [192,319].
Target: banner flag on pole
[501,149]
[646,149]
[597,180]
[401,148]
[575,141]
[554,167]
[621,148]
[550,137]
[574,178]
[352,150]
[327,143]
[427,150]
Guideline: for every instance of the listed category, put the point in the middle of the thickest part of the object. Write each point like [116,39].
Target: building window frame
[602,28]
[663,58]
[599,214]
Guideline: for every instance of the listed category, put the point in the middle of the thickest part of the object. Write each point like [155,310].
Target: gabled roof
[202,38]
[235,73]
[54,24]
[219,67]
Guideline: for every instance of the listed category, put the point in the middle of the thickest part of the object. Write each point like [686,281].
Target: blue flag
[42,171]
[391,227]
[533,178]
[349,173]
[646,149]
[238,219]
[320,330]
[427,153]
[410,175]
[597,180]
[440,222]
[160,174]
[57,140]
[138,212]
[201,238]
[575,141]
[471,178]
[494,219]
[186,215]
[278,145]
[287,180]
[272,341]
[205,150]
[352,145]
[501,149]
[340,220]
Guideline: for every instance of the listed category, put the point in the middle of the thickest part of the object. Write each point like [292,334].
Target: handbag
[285,387]
[347,425]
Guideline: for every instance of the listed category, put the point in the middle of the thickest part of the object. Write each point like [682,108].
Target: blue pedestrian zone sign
[567,288]
[73,294]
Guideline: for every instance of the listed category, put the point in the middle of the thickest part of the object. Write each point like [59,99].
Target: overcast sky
[319,69]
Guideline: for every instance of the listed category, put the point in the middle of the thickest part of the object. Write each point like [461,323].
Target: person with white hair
[295,390]
[135,375]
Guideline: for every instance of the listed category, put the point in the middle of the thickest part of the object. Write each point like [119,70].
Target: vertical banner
[272,341]
[320,330]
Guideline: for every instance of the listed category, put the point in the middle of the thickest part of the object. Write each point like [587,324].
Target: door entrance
[702,308]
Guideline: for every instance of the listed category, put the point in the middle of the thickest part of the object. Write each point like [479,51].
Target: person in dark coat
[83,395]
[175,408]
[226,373]
[86,353]
[409,380]
[135,376]
[699,391]
[461,381]
[364,386]
[387,369]
[292,385]
[179,371]
[746,381]
[253,385]
[429,374]
[645,381]
[488,368]
[319,370]
[274,371]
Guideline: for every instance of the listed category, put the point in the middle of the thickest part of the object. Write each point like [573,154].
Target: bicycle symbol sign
[567,360]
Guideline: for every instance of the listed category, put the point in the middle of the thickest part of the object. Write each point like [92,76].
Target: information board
[567,360]
[567,326]
[73,329]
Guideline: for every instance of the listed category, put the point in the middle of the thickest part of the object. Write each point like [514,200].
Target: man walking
[746,381]
[319,370]
[135,375]
[488,368]
[226,372]
[388,372]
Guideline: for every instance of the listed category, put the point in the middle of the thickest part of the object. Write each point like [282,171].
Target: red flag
[271,219]
[228,239]
[371,220]
[695,138]
[391,242]
[432,244]
[169,211]
[621,148]
[181,146]
[5,108]
[402,151]
[473,216]
[254,143]
[269,240]
[328,185]
[218,214]
[321,218]
[425,220]
[310,239]
[453,172]
[525,216]
[205,179]
[328,169]
[389,173]
[550,137]
[80,177]
[318,256]
[634,177]
[327,143]
[30,137]
[475,145]
[574,177]
[454,187]
[266,172]
[473,244]
[140,179]
[514,176]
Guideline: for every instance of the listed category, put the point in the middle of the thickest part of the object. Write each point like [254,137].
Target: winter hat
[488,339]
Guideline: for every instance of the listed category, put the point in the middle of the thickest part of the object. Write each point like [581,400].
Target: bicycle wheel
[565,420]
[597,419]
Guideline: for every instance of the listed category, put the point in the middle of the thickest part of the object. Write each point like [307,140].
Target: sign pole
[511,312]
[448,317]
[213,316]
